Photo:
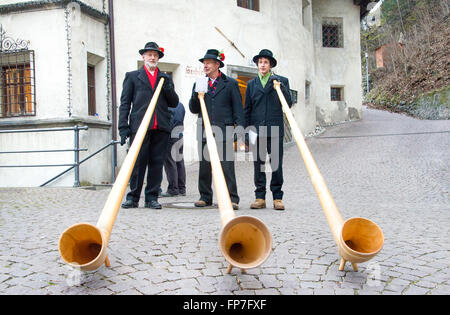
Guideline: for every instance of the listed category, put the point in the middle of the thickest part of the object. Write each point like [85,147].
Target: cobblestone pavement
[401,182]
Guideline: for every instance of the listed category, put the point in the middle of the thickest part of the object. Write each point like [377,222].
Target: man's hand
[283,87]
[274,77]
[124,134]
[168,84]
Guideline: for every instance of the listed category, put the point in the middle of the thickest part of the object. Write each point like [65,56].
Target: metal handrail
[76,151]
[45,129]
[84,160]
[41,151]
[37,165]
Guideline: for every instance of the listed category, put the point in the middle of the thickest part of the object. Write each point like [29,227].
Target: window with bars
[17,84]
[332,33]
[249,4]
[336,93]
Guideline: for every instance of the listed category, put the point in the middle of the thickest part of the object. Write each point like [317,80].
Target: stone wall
[432,105]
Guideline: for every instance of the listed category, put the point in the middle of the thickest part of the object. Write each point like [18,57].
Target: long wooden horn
[245,241]
[358,239]
[83,245]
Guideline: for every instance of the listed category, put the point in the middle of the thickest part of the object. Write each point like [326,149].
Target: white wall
[31,176]
[96,4]
[186,29]
[49,42]
[96,170]
[337,66]
[89,38]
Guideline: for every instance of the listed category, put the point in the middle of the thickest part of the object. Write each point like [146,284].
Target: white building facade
[63,63]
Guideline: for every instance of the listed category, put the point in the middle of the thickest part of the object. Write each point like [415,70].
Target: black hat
[214,54]
[266,54]
[152,46]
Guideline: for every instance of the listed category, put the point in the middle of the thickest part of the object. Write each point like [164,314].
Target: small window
[307,91]
[249,4]
[336,94]
[17,84]
[332,33]
[91,91]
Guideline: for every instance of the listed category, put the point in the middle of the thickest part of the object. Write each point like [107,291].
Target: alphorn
[84,245]
[358,239]
[245,241]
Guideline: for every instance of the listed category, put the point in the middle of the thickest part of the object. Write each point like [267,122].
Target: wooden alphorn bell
[358,239]
[84,245]
[245,241]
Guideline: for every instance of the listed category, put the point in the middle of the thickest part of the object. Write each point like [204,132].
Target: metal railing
[76,150]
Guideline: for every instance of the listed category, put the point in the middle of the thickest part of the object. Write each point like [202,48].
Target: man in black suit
[224,105]
[137,92]
[263,111]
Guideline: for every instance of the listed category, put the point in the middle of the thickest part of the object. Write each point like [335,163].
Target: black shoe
[168,194]
[130,204]
[153,204]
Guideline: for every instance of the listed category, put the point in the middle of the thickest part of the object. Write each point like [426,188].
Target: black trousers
[274,147]
[226,155]
[174,167]
[150,156]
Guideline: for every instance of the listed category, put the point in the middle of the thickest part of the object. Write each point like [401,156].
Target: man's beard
[151,65]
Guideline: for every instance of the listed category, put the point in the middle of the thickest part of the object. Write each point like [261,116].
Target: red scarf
[212,86]
[152,79]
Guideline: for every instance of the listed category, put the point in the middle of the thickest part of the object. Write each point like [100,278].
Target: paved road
[401,182]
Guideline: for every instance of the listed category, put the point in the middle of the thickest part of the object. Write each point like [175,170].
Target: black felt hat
[214,54]
[152,46]
[266,54]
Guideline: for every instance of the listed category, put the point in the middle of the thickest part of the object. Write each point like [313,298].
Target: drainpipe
[367,71]
[113,88]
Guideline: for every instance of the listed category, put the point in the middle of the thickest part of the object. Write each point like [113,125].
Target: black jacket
[136,95]
[262,105]
[224,107]
[177,120]
[177,115]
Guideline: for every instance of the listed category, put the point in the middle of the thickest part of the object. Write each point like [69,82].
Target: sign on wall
[194,71]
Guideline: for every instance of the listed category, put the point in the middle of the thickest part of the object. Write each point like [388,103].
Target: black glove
[283,87]
[124,134]
[274,77]
[168,84]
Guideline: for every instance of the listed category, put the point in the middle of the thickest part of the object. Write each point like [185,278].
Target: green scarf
[264,79]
